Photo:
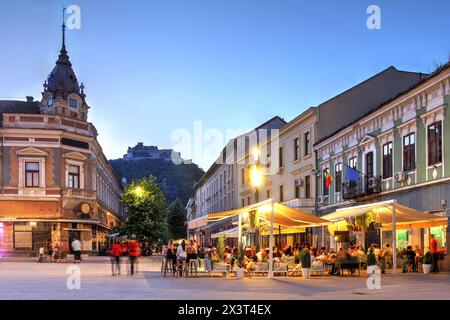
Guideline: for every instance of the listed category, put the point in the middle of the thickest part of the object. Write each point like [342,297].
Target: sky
[153,67]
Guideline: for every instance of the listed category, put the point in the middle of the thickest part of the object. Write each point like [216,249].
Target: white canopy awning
[404,214]
[230,233]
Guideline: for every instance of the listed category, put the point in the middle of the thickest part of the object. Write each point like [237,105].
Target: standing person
[50,251]
[434,253]
[181,257]
[133,253]
[56,253]
[76,247]
[171,256]
[115,258]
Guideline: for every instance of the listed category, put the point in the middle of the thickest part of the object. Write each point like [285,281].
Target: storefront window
[440,234]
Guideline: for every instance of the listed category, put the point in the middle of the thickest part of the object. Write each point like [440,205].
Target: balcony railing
[80,193]
[365,186]
[299,203]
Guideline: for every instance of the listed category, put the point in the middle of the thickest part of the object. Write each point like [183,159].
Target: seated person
[410,257]
[250,264]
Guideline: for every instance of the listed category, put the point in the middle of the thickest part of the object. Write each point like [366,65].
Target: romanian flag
[329,180]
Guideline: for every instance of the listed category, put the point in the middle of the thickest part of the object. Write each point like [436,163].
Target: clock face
[85,208]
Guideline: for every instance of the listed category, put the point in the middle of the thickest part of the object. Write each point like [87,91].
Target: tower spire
[63,30]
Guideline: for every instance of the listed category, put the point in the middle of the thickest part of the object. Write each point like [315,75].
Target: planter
[305,273]
[426,268]
[239,273]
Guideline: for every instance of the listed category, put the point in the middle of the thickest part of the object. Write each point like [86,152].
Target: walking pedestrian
[115,259]
[133,253]
[76,247]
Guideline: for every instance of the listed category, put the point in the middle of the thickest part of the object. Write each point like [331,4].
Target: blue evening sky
[151,67]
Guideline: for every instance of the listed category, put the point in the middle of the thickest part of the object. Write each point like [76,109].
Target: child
[41,255]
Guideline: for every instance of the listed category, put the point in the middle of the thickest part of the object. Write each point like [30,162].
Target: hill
[177,181]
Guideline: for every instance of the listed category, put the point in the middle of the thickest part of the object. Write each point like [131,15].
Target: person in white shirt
[181,257]
[76,247]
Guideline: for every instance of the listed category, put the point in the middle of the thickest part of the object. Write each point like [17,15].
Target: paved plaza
[24,279]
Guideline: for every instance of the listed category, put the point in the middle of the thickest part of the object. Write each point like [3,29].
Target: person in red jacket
[434,252]
[116,252]
[134,251]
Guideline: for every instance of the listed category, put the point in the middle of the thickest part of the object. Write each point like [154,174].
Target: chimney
[30,99]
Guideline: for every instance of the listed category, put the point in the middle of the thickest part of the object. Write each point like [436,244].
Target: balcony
[363,187]
[299,203]
[79,193]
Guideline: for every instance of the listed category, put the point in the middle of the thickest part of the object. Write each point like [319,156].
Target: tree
[177,220]
[145,210]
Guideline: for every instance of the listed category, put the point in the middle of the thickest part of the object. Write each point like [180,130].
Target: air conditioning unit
[299,182]
[400,176]
[372,183]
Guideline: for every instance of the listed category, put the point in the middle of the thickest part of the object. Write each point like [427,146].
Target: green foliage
[220,247]
[145,210]
[305,258]
[176,220]
[176,181]
[428,258]
[241,254]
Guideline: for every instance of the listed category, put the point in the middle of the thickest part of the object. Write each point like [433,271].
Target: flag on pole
[352,174]
[329,179]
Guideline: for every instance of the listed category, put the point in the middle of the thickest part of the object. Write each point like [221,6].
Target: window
[50,102]
[306,144]
[434,143]
[296,148]
[387,160]
[268,194]
[352,163]
[248,201]
[281,193]
[256,195]
[409,152]
[307,187]
[338,177]
[243,202]
[242,176]
[74,177]
[32,174]
[324,182]
[280,157]
[73,103]
[297,188]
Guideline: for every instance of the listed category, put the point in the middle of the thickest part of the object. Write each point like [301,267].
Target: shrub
[305,258]
[427,258]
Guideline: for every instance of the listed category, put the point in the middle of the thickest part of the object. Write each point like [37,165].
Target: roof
[17,106]
[350,105]
[273,123]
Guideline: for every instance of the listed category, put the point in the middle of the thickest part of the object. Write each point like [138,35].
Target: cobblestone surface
[25,279]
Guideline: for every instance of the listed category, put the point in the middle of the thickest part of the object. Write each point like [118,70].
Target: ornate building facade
[55,182]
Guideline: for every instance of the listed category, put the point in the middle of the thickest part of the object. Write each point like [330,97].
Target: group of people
[374,255]
[413,257]
[178,258]
[54,252]
[124,249]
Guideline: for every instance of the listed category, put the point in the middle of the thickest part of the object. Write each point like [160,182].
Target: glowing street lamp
[138,191]
[256,176]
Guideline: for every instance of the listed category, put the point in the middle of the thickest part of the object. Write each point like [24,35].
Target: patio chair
[319,268]
[295,269]
[218,267]
[260,268]
[281,268]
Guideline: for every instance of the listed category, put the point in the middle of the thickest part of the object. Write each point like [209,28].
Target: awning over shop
[405,216]
[230,233]
[283,216]
[197,223]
